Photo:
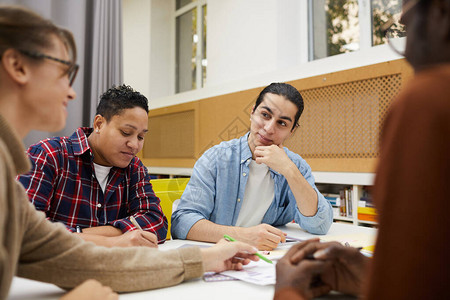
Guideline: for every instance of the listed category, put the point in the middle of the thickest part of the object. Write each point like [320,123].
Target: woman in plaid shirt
[93,182]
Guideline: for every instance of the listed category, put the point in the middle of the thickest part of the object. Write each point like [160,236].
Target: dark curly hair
[118,98]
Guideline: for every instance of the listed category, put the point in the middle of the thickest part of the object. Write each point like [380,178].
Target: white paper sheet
[260,272]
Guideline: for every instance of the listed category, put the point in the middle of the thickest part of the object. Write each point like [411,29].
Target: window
[334,27]
[382,11]
[340,26]
[190,33]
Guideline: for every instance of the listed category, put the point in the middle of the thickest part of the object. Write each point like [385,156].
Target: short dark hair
[287,91]
[118,98]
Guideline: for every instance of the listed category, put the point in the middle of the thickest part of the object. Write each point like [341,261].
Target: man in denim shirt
[245,186]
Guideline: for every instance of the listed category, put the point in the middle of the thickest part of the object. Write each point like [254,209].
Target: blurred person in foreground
[413,175]
[37,69]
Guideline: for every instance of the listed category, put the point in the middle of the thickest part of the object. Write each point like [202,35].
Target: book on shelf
[342,206]
[348,198]
[367,214]
[346,206]
[335,201]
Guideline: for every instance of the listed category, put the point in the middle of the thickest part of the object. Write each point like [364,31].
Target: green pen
[230,239]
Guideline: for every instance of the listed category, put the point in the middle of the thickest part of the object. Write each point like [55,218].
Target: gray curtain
[104,50]
[97,28]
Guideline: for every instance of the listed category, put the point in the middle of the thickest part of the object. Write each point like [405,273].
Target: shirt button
[99,205]
[244,174]
[239,199]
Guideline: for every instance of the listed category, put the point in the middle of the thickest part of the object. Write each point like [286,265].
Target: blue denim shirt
[216,190]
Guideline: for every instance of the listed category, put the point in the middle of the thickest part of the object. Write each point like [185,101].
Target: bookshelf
[357,184]
[327,183]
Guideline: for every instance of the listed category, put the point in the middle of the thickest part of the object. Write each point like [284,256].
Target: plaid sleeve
[39,182]
[143,204]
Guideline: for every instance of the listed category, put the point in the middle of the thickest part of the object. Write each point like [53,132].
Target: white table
[194,289]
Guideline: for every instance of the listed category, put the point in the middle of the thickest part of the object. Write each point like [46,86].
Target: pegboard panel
[339,128]
[171,136]
[344,120]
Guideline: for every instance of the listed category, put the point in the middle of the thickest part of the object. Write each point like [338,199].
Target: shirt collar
[246,153]
[79,140]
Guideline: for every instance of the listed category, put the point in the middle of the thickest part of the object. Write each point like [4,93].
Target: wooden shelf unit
[338,179]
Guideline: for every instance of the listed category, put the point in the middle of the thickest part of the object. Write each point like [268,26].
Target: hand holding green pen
[230,239]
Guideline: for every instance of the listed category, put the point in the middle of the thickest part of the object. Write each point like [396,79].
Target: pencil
[229,238]
[135,223]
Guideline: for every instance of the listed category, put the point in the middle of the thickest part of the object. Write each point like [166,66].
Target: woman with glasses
[35,90]
[411,187]
[36,71]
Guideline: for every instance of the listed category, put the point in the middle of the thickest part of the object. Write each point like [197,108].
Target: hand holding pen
[138,237]
[135,223]
[230,239]
[262,236]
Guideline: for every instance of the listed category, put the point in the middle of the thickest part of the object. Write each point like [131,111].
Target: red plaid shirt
[62,183]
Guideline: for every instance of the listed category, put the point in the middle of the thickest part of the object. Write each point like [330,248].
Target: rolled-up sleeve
[321,222]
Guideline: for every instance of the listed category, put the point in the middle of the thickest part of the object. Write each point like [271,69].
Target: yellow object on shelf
[367,210]
[367,214]
[169,190]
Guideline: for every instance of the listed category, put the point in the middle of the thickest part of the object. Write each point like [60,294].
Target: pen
[311,255]
[290,239]
[135,223]
[229,238]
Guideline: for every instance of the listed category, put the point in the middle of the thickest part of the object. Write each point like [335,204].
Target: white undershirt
[258,195]
[101,173]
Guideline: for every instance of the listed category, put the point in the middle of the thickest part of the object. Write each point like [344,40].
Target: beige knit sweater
[35,248]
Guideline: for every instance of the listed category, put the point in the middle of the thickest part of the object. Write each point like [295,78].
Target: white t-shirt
[258,195]
[101,173]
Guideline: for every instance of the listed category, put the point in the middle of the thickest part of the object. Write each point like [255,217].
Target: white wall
[235,50]
[252,37]
[136,44]
[250,43]
[148,50]
[162,53]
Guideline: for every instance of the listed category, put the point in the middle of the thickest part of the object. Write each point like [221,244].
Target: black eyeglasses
[71,71]
[394,29]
